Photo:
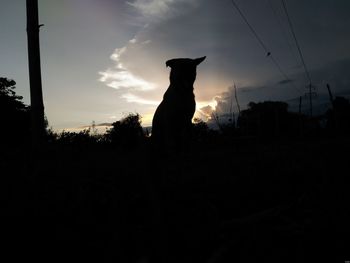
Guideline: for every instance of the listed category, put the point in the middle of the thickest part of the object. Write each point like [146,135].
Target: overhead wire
[296,41]
[310,86]
[251,28]
[283,30]
[268,52]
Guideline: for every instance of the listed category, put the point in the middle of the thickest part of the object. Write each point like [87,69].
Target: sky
[104,59]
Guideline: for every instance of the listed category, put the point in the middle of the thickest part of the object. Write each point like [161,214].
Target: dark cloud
[249,89]
[335,74]
[285,81]
[105,124]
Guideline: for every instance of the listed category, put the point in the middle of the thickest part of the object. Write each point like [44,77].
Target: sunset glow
[107,58]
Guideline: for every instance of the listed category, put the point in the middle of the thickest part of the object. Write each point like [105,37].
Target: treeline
[269,119]
[272,119]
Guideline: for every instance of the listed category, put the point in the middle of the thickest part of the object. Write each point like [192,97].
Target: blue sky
[102,59]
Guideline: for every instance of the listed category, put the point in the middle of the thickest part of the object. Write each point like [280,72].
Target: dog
[172,120]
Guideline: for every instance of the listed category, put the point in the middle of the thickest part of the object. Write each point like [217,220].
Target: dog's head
[183,70]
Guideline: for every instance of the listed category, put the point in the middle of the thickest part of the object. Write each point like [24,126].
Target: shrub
[128,132]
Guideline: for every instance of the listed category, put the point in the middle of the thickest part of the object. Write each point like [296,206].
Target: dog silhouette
[172,120]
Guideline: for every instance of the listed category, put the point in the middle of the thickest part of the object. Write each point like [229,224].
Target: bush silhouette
[75,139]
[200,131]
[127,133]
[339,116]
[268,119]
[14,115]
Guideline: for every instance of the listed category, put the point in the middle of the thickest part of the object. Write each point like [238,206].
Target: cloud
[161,9]
[136,99]
[205,109]
[152,7]
[285,81]
[122,78]
[125,79]
[103,125]
[334,73]
[135,69]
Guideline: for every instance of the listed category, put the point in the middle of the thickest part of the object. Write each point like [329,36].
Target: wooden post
[310,94]
[36,96]
[239,108]
[277,122]
[232,114]
[330,95]
[300,117]
[334,112]
[310,98]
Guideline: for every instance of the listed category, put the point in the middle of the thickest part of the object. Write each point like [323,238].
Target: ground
[228,199]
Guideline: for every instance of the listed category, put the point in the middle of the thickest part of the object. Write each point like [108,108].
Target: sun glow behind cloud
[204,109]
[137,73]
[135,99]
[132,72]
[120,77]
[160,9]
[125,79]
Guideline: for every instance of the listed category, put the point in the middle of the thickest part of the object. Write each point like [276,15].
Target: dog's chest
[179,100]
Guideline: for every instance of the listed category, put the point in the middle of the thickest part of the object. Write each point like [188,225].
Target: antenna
[312,93]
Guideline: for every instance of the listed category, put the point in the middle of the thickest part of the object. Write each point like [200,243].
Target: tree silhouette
[8,97]
[127,132]
[200,131]
[14,115]
[269,118]
[339,116]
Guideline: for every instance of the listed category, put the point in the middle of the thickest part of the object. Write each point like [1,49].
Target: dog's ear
[170,63]
[197,61]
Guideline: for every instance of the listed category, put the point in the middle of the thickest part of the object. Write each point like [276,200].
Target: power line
[285,35]
[311,93]
[284,74]
[296,41]
[268,53]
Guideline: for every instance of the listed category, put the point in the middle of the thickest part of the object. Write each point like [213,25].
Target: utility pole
[232,114]
[310,97]
[334,112]
[330,95]
[310,94]
[239,108]
[36,95]
[300,117]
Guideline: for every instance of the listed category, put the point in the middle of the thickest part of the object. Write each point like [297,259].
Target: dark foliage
[82,139]
[338,118]
[98,205]
[201,133]
[231,198]
[270,119]
[127,133]
[14,115]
